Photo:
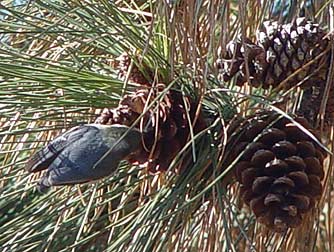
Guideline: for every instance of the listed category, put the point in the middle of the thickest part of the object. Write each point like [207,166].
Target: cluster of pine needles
[58,69]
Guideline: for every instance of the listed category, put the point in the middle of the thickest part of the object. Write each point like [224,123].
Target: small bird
[84,153]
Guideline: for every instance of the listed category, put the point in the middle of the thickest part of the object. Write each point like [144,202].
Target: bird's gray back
[95,155]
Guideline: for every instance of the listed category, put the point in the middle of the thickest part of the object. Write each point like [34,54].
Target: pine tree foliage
[60,67]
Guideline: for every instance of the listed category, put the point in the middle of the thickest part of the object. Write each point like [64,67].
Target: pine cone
[165,124]
[135,75]
[280,56]
[280,169]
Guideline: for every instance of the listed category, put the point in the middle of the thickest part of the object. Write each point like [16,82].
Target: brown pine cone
[165,124]
[280,170]
[283,55]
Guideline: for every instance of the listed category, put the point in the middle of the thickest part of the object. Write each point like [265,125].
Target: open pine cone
[280,170]
[283,55]
[165,123]
[161,115]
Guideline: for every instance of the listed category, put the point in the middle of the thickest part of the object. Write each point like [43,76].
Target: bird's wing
[44,157]
[61,176]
